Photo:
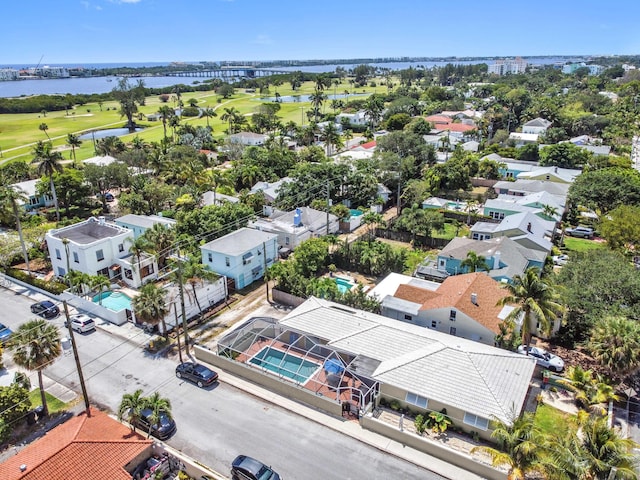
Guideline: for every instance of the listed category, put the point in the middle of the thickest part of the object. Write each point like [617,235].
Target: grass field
[550,420]
[20,132]
[53,403]
[572,244]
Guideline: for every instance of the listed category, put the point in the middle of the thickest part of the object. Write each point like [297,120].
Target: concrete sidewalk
[354,430]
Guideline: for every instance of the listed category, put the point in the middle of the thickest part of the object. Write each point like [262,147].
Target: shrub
[190,112]
[395,405]
[51,286]
[420,424]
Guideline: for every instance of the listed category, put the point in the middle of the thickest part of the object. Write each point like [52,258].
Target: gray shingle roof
[473,377]
[145,221]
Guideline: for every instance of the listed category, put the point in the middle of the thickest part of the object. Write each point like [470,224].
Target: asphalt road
[216,424]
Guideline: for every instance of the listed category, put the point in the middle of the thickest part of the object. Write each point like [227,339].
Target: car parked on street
[544,358]
[82,323]
[46,309]
[5,333]
[196,373]
[163,429]
[582,232]
[247,468]
[560,259]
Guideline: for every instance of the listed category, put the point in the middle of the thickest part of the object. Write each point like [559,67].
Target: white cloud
[262,40]
[98,7]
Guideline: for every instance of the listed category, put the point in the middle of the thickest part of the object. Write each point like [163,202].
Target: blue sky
[94,31]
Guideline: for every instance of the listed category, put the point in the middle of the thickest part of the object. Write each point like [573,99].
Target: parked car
[247,468]
[5,333]
[108,197]
[196,373]
[584,232]
[544,358]
[46,309]
[82,323]
[560,259]
[163,429]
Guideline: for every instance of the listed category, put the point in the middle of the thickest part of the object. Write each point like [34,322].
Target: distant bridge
[230,72]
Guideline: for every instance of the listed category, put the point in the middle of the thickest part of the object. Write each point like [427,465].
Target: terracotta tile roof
[438,119]
[368,145]
[82,448]
[456,127]
[455,292]
[414,294]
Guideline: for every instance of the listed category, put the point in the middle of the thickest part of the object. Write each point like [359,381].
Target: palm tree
[196,273]
[138,247]
[230,115]
[373,108]
[473,262]
[213,179]
[158,406]
[470,206]
[518,447]
[550,211]
[99,283]
[131,407]
[535,300]
[73,141]
[44,127]
[209,113]
[160,239]
[48,164]
[150,306]
[77,280]
[615,344]
[9,197]
[372,219]
[331,137]
[36,344]
[165,113]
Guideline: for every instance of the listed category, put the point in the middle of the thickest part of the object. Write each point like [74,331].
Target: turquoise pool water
[115,301]
[295,368]
[355,213]
[343,285]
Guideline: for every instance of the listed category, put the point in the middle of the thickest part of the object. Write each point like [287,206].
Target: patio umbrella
[333,366]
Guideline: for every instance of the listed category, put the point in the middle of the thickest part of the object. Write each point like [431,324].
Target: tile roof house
[421,367]
[243,255]
[82,448]
[536,126]
[296,226]
[463,305]
[505,257]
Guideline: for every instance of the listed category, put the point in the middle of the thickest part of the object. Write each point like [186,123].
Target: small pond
[305,98]
[110,132]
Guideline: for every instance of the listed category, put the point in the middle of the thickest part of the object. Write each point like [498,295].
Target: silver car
[544,358]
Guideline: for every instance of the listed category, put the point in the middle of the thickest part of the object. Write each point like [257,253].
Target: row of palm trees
[133,404]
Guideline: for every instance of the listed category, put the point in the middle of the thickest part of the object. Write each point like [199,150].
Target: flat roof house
[248,138]
[243,255]
[139,224]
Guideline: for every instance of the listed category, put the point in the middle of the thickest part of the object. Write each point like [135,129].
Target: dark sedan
[247,468]
[46,309]
[162,429]
[196,373]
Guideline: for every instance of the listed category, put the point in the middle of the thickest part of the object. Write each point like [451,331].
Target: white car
[560,259]
[82,323]
[544,358]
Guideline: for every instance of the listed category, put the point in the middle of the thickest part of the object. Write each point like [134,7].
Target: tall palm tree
[158,406]
[77,280]
[230,115]
[99,283]
[138,246]
[209,113]
[131,407]
[9,197]
[196,273]
[36,344]
[535,300]
[161,239]
[150,306]
[165,113]
[44,127]
[518,447]
[332,137]
[48,164]
[214,178]
[74,142]
[474,262]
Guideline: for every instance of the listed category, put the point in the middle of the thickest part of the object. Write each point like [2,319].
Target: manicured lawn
[53,403]
[572,244]
[450,231]
[551,420]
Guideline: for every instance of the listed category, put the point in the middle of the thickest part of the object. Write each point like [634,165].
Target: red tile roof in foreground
[368,145]
[83,448]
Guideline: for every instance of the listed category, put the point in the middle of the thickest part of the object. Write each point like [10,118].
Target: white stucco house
[249,139]
[139,224]
[243,255]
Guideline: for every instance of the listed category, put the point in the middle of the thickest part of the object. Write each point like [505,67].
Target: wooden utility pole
[175,312]
[77,359]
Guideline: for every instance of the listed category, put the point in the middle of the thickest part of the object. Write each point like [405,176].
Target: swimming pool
[343,285]
[295,368]
[356,213]
[115,301]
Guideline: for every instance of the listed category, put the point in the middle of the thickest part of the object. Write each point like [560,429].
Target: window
[246,258]
[452,331]
[416,400]
[61,272]
[287,240]
[100,255]
[210,257]
[442,263]
[408,317]
[128,274]
[75,257]
[121,247]
[476,421]
[227,262]
[58,256]
[434,324]
[452,315]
